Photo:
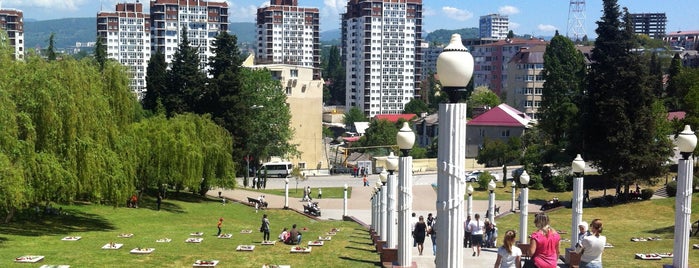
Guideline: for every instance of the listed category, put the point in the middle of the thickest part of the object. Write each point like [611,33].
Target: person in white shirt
[509,255]
[413,221]
[592,246]
[476,227]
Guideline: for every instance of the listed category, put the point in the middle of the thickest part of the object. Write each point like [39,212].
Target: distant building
[494,26]
[126,36]
[682,40]
[304,97]
[525,80]
[12,22]
[381,41]
[650,24]
[501,122]
[289,34]
[490,61]
[204,20]
[431,53]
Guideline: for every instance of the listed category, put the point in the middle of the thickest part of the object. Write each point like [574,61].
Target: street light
[514,189]
[383,228]
[405,139]
[523,206]
[344,205]
[469,205]
[286,193]
[391,205]
[686,142]
[578,167]
[455,68]
[491,201]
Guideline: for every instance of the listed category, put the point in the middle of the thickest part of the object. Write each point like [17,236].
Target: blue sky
[536,17]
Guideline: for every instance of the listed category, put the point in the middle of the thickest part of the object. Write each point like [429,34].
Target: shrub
[535,182]
[647,194]
[483,179]
[559,183]
[671,188]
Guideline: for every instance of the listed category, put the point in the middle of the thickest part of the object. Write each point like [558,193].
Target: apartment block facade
[288,34]
[381,42]
[494,26]
[12,22]
[683,40]
[650,24]
[490,61]
[204,20]
[126,35]
[525,80]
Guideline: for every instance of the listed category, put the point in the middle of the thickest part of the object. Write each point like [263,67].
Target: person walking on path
[320,193]
[366,181]
[432,232]
[419,234]
[544,243]
[476,227]
[413,221]
[218,225]
[592,246]
[509,255]
[467,232]
[264,228]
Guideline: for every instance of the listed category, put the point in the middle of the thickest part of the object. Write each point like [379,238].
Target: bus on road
[277,169]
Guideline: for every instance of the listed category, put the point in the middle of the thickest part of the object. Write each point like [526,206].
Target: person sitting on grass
[294,236]
[284,235]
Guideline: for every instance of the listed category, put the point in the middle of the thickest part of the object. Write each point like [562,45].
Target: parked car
[473,176]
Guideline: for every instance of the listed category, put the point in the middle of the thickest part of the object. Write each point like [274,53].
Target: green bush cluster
[671,188]
[647,194]
[484,178]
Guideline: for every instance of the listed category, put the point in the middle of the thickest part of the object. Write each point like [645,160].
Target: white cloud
[71,5]
[330,13]
[240,13]
[457,14]
[428,11]
[508,10]
[513,25]
[546,27]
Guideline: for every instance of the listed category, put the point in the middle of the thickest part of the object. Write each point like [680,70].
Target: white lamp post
[344,204]
[455,68]
[391,205]
[383,210]
[405,140]
[286,193]
[686,142]
[469,204]
[578,167]
[523,207]
[514,189]
[374,209]
[491,201]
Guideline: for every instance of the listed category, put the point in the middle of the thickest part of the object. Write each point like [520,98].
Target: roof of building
[532,55]
[361,127]
[679,115]
[429,120]
[393,118]
[681,33]
[516,41]
[503,115]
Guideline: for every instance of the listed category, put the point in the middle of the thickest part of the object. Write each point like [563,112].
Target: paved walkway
[359,206]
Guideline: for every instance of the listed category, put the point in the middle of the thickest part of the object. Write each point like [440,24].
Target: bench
[256,202]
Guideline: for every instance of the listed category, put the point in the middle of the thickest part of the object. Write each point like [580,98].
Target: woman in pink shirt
[544,243]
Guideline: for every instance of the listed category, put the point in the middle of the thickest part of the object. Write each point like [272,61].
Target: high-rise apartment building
[12,22]
[289,34]
[525,80]
[650,24]
[204,20]
[381,41]
[490,61]
[126,36]
[494,26]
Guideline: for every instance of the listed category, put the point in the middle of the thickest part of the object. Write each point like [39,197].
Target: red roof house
[501,122]
[393,118]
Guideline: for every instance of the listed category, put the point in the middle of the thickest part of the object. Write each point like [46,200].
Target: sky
[535,17]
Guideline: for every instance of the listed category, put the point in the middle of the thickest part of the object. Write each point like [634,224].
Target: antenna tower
[576,20]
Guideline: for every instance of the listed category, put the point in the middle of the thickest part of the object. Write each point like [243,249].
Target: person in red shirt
[220,222]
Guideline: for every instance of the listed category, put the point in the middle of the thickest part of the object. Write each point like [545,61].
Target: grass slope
[98,225]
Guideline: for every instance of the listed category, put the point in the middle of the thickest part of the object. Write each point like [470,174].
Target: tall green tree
[100,52]
[156,81]
[482,97]
[222,98]
[415,106]
[673,94]
[656,76]
[353,115]
[379,133]
[622,137]
[185,80]
[51,50]
[564,72]
[334,75]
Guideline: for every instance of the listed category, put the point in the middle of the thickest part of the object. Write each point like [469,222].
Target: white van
[277,169]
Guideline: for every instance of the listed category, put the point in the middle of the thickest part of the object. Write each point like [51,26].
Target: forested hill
[443,36]
[67,32]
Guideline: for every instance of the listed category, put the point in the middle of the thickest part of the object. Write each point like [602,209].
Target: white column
[469,207]
[450,181]
[373,214]
[523,210]
[405,201]
[286,194]
[391,215]
[514,189]
[344,204]
[577,209]
[382,213]
[683,211]
[491,206]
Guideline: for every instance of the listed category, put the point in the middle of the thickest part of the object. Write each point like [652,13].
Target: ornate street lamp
[514,189]
[469,205]
[491,201]
[686,142]
[523,206]
[578,167]
[391,205]
[383,209]
[405,139]
[344,204]
[286,193]
[455,68]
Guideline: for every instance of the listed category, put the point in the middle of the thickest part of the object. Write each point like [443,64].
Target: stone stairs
[660,193]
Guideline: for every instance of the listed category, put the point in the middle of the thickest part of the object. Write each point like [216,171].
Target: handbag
[529,264]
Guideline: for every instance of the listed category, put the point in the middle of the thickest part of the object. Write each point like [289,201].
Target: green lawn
[98,225]
[652,218]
